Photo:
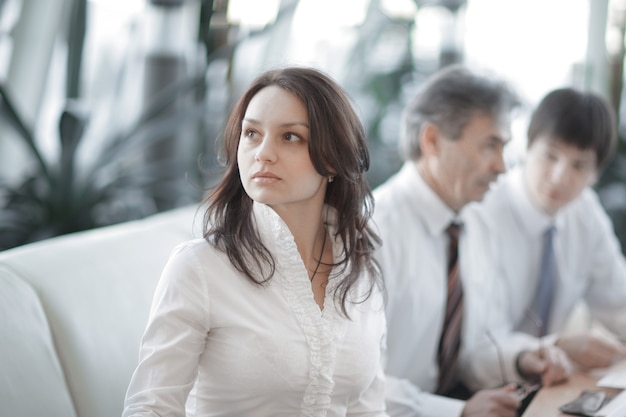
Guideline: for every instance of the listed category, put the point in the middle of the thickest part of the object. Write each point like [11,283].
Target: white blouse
[218,345]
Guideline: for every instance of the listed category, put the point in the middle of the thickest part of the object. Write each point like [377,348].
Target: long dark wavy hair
[337,147]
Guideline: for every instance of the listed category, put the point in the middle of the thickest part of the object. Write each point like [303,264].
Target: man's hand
[501,402]
[591,352]
[549,364]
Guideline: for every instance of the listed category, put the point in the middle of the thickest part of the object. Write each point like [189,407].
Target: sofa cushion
[31,380]
[96,289]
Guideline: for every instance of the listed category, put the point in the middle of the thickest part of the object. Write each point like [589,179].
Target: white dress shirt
[218,345]
[412,222]
[590,264]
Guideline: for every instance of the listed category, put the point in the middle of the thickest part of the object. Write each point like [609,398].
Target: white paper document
[615,376]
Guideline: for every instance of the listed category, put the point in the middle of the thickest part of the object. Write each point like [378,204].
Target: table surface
[548,400]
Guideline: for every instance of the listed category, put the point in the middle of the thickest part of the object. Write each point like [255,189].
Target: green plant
[61,196]
[65,194]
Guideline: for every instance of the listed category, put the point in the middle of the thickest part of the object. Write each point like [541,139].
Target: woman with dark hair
[278,310]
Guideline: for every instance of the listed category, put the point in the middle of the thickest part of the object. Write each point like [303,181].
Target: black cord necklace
[319,261]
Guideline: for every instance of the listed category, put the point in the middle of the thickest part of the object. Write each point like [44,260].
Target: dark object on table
[587,403]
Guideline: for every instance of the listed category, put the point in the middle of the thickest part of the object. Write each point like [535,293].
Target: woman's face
[273,155]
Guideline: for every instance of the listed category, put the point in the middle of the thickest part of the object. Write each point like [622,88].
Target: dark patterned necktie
[450,342]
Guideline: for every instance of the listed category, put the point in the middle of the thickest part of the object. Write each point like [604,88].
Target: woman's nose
[266,151]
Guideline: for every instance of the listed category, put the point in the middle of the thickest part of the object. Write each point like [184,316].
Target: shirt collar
[535,221]
[434,213]
[269,222]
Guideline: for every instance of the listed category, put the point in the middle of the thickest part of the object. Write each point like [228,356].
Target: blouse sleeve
[404,399]
[173,341]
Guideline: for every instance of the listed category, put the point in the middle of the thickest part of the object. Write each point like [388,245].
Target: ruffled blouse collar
[322,329]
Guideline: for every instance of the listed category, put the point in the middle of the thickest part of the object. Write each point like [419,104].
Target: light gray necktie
[546,285]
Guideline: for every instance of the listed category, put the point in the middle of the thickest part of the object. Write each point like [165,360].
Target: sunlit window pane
[252,13]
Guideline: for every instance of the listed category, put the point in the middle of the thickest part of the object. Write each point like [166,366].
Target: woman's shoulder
[196,252]
[197,264]
[192,247]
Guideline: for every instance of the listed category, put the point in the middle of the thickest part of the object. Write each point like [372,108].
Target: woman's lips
[265,177]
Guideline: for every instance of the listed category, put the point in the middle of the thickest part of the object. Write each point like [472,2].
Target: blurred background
[109,109]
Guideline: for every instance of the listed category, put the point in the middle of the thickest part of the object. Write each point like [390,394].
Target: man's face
[465,167]
[556,173]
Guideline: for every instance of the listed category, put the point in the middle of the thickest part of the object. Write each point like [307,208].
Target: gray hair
[449,99]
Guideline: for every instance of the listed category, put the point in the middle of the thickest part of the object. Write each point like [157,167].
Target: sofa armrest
[31,381]
[96,289]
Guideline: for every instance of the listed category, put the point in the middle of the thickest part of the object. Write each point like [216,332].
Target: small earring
[331,178]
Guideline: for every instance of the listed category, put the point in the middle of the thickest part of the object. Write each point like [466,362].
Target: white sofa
[72,312]
[73,309]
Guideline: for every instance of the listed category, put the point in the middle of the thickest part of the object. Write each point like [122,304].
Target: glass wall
[155,79]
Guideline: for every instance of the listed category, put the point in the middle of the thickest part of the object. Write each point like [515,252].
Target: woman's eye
[290,137]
